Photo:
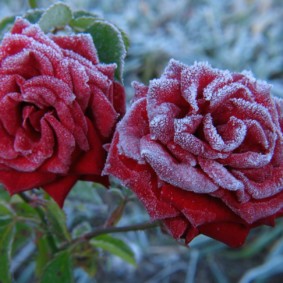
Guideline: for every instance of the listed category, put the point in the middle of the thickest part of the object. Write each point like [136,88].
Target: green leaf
[82,13]
[32,3]
[125,39]
[86,257]
[6,239]
[109,43]
[59,269]
[33,16]
[43,254]
[57,16]
[82,23]
[5,210]
[114,246]
[82,228]
[23,234]
[24,210]
[6,214]
[4,195]
[5,25]
[56,220]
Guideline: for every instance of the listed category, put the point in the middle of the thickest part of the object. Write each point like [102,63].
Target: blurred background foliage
[234,35]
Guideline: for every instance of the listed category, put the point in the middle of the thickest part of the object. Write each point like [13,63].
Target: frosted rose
[202,149]
[58,106]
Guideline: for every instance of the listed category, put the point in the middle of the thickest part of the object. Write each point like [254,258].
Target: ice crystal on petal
[180,175]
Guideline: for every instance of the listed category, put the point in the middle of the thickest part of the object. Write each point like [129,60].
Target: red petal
[16,182]
[103,112]
[232,234]
[167,169]
[176,226]
[140,91]
[59,189]
[139,179]
[199,209]
[92,161]
[61,160]
[119,98]
[220,175]
[131,129]
[81,44]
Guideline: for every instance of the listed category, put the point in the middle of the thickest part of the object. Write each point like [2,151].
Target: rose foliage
[203,150]
[58,107]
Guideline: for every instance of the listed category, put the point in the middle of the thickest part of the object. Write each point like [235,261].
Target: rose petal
[131,129]
[139,179]
[234,135]
[82,44]
[220,175]
[92,161]
[59,190]
[16,182]
[167,169]
[61,160]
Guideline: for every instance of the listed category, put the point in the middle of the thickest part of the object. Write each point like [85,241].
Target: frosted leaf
[235,132]
[220,175]
[181,175]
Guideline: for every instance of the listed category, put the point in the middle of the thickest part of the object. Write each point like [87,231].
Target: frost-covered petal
[220,175]
[234,133]
[79,43]
[167,169]
[131,129]
[137,177]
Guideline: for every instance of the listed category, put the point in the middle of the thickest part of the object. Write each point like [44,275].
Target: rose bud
[58,107]
[202,149]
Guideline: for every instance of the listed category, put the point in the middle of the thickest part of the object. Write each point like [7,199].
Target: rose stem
[108,230]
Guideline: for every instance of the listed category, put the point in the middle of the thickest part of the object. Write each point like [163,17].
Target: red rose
[203,150]
[58,106]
